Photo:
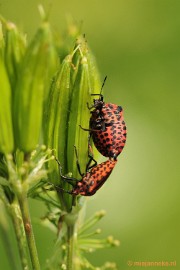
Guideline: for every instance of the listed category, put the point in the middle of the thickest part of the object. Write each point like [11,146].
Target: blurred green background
[137,45]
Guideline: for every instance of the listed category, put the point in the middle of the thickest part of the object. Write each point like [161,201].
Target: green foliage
[43,100]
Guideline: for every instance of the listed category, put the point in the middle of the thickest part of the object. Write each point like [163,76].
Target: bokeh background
[137,45]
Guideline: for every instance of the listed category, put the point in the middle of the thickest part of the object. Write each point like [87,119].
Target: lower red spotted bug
[92,180]
[107,127]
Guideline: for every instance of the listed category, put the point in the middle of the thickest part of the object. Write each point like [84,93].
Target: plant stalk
[70,247]
[23,202]
[8,249]
[20,235]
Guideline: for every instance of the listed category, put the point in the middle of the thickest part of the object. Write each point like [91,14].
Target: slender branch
[15,215]
[70,246]
[8,248]
[4,230]
[23,202]
[20,235]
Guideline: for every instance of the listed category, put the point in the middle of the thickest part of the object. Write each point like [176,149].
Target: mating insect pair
[108,131]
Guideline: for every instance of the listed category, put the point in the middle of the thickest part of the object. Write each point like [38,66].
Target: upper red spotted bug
[92,180]
[107,127]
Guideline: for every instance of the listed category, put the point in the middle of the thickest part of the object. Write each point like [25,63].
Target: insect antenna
[77,161]
[100,95]
[103,85]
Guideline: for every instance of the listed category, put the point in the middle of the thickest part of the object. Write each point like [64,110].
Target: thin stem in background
[70,246]
[8,247]
[20,235]
[23,202]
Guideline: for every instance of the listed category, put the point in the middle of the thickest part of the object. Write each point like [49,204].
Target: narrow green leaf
[4,182]
[1,41]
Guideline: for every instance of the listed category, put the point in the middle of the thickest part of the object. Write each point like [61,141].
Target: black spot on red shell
[119,108]
[111,106]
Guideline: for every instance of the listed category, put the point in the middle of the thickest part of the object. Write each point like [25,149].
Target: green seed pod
[56,119]
[94,73]
[58,110]
[53,66]
[67,109]
[65,43]
[30,90]
[95,82]
[94,85]
[6,130]
[14,51]
[92,65]
[79,115]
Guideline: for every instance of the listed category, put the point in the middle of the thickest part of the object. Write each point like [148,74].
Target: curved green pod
[56,118]
[79,115]
[30,90]
[14,51]
[6,129]
[67,108]
[57,111]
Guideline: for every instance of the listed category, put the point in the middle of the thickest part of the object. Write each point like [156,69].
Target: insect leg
[89,107]
[90,130]
[58,188]
[62,189]
[70,180]
[90,155]
[77,161]
[85,129]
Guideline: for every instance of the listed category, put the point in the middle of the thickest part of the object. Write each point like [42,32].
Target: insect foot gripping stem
[92,180]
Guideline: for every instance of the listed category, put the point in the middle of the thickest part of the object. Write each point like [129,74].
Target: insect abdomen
[94,179]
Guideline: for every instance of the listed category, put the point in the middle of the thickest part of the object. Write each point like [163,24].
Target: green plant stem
[20,235]
[8,248]
[23,202]
[70,246]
